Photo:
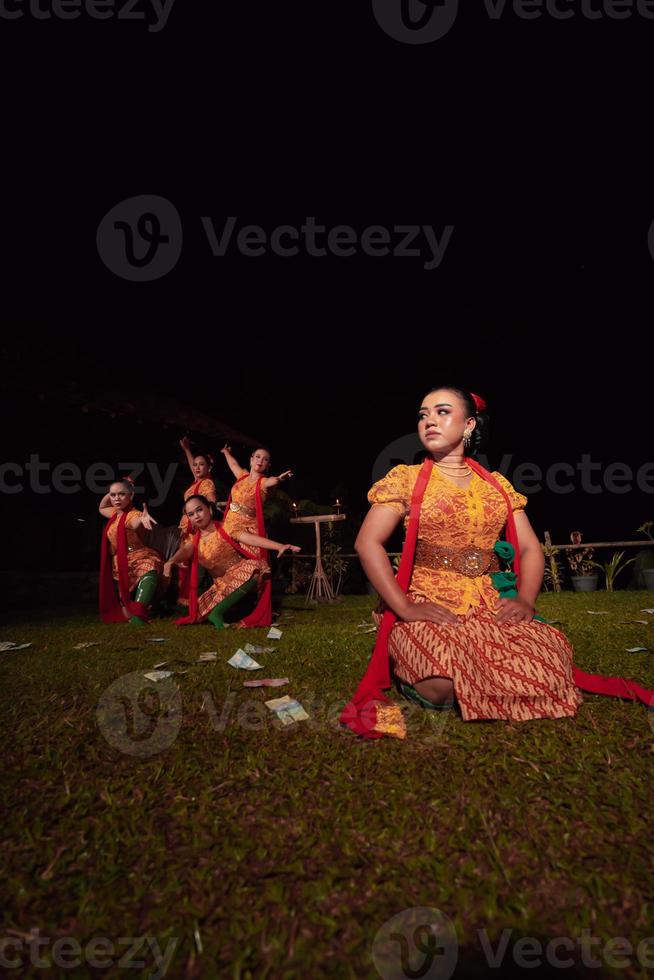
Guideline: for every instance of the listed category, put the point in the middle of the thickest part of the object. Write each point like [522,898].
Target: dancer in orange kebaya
[125,559]
[201,466]
[232,564]
[244,514]
[458,629]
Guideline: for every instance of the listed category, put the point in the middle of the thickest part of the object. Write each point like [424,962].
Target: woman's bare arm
[233,463]
[532,565]
[379,524]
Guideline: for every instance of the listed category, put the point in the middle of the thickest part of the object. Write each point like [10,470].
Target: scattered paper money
[552,622]
[370,629]
[162,664]
[242,661]
[7,646]
[639,622]
[274,634]
[650,611]
[85,646]
[250,648]
[596,612]
[206,657]
[267,682]
[157,639]
[288,710]
[638,649]
[158,675]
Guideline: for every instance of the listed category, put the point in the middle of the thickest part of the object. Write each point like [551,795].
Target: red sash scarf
[183,579]
[261,615]
[195,566]
[110,608]
[360,714]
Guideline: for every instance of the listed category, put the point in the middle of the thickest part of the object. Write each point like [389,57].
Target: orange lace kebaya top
[451,517]
[242,513]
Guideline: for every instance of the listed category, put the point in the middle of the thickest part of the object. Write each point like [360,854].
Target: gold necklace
[458,473]
[453,466]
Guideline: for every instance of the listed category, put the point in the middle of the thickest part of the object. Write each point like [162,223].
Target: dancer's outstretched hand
[185,442]
[428,612]
[274,480]
[287,547]
[226,449]
[147,520]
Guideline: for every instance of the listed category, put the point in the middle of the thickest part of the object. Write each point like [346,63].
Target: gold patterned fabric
[516,671]
[244,494]
[140,559]
[228,569]
[451,517]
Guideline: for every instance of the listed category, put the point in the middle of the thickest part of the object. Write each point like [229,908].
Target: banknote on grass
[287,709]
[242,661]
[267,682]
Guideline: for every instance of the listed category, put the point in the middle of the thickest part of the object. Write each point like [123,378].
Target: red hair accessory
[479,402]
[128,479]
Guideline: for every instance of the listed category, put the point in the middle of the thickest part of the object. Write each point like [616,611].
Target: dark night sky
[527,136]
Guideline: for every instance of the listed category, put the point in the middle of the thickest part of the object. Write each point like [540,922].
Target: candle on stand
[294,509]
[337,505]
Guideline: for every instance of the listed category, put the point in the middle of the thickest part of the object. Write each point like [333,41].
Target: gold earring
[466,440]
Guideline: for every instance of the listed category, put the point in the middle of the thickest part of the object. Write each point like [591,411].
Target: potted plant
[581,564]
[613,567]
[647,573]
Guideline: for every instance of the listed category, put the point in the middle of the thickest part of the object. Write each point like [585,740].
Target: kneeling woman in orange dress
[125,559]
[235,569]
[457,628]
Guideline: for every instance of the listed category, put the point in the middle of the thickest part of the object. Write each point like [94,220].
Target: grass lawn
[270,851]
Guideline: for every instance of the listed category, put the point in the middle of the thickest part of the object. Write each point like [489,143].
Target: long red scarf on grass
[110,607]
[361,714]
[195,571]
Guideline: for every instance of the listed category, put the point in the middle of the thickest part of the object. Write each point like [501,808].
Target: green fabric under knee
[410,693]
[145,591]
[217,613]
